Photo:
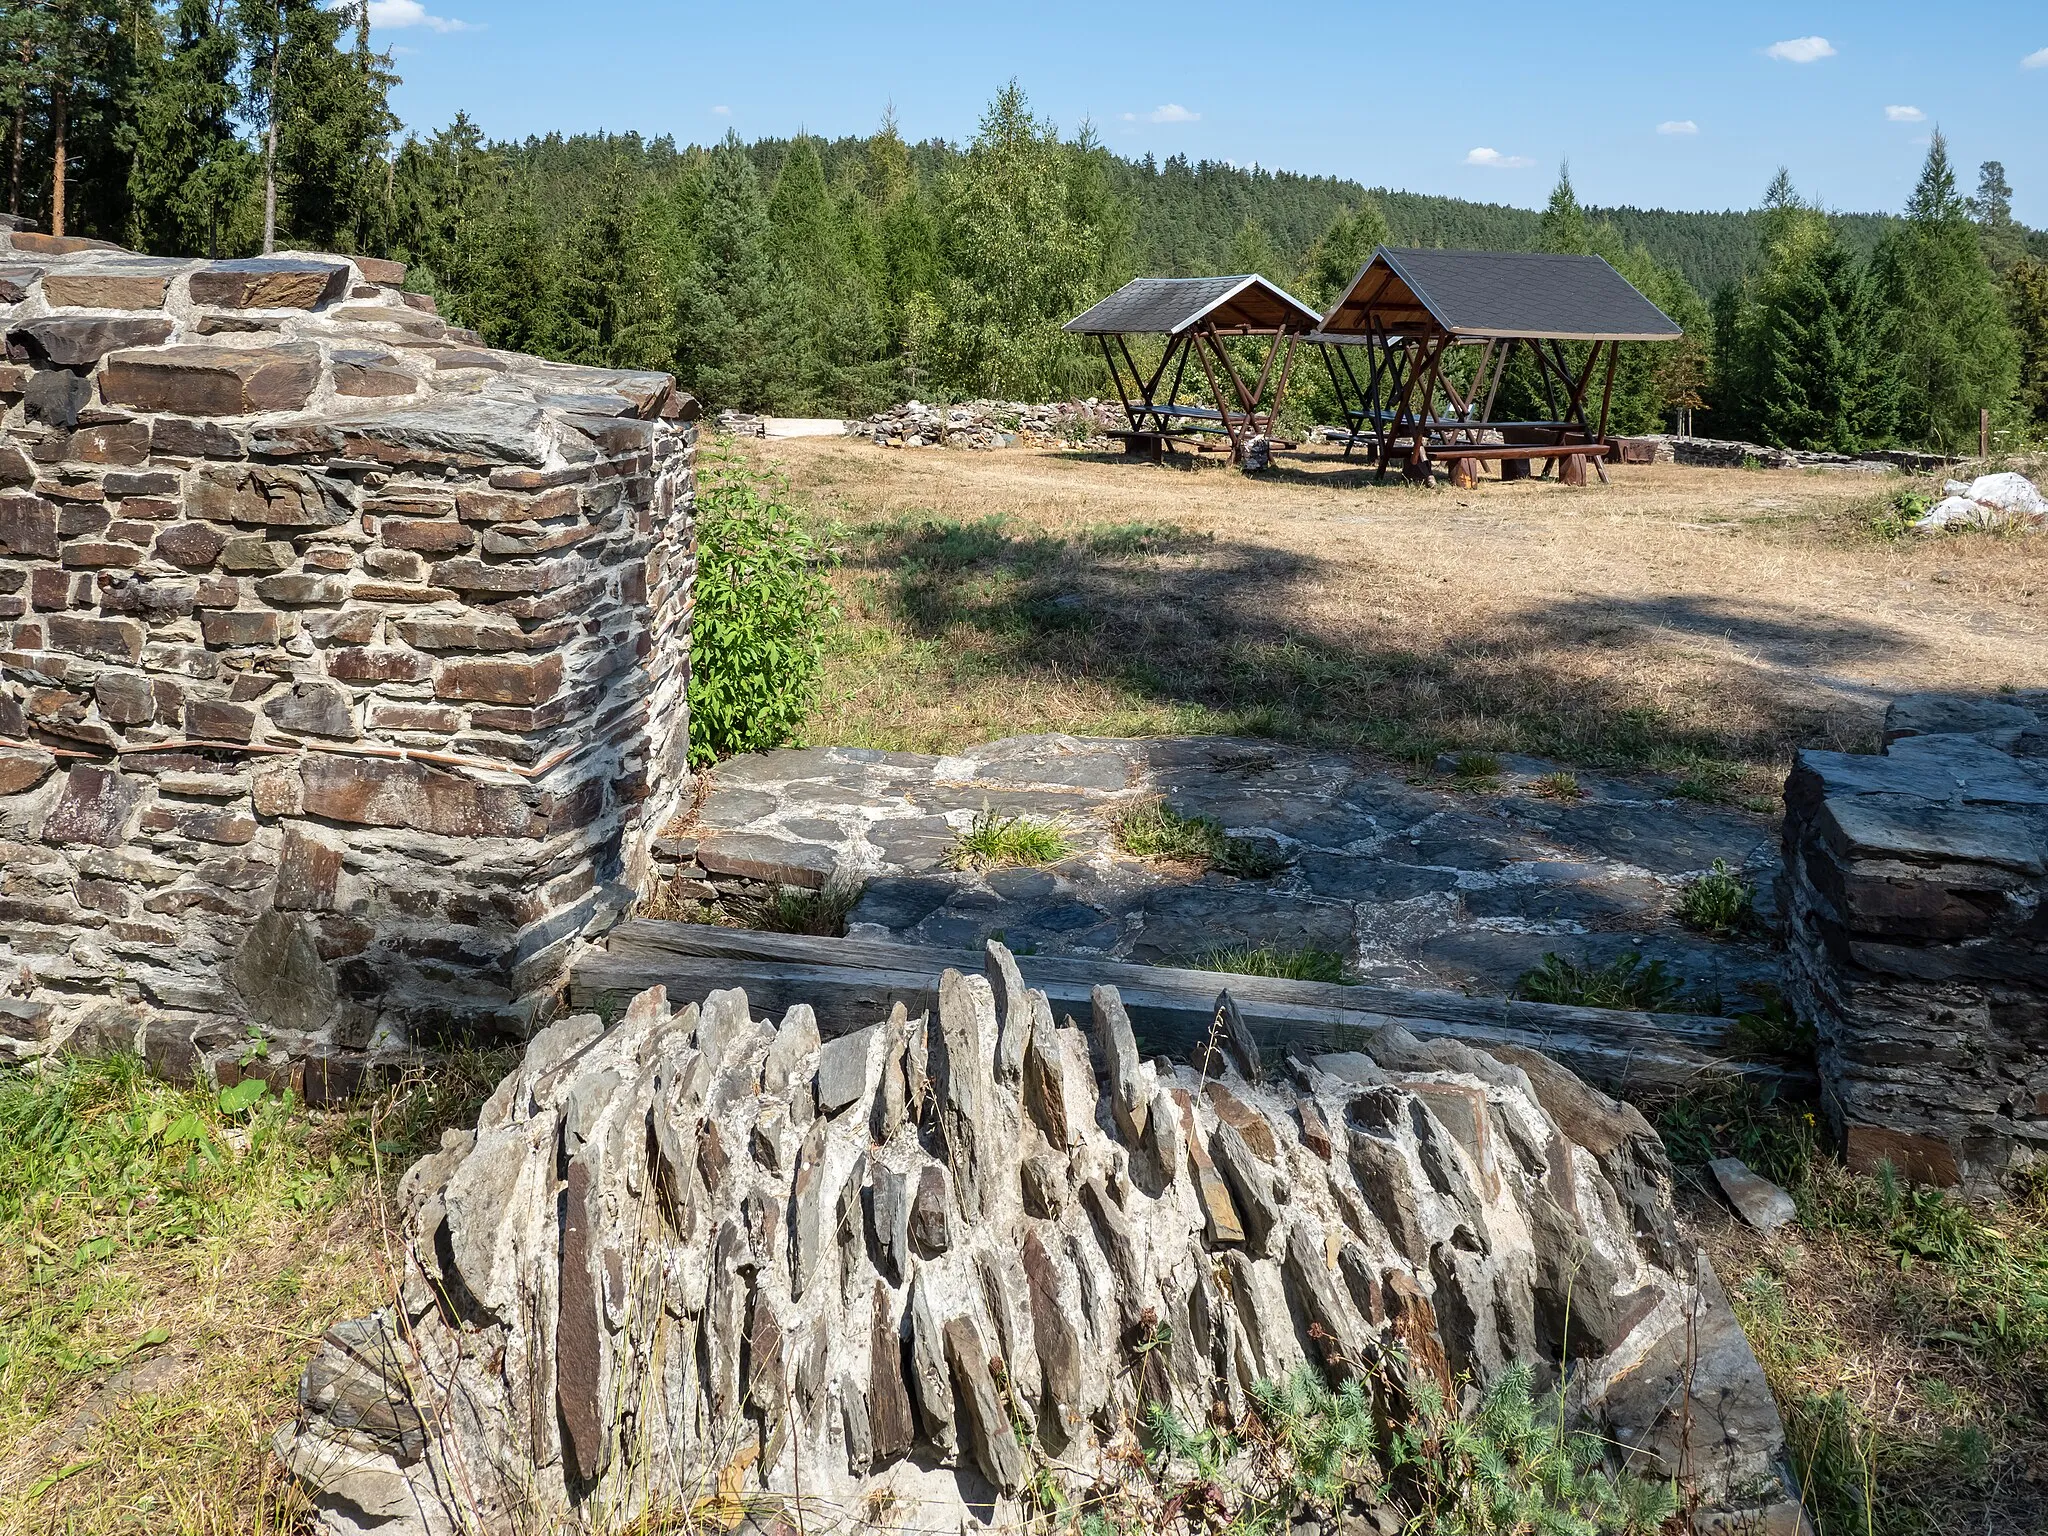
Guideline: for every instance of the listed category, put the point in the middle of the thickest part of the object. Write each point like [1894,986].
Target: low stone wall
[920,1276]
[343,661]
[1916,899]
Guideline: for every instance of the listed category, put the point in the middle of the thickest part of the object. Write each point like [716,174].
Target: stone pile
[342,659]
[742,424]
[1716,453]
[994,424]
[902,1275]
[1915,894]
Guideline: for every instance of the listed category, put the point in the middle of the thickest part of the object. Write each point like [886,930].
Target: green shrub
[761,604]
[1624,982]
[1718,903]
[996,841]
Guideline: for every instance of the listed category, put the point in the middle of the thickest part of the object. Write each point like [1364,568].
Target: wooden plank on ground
[853,982]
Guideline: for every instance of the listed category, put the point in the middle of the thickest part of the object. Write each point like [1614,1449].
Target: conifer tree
[1251,250]
[2004,242]
[190,174]
[1944,320]
[1564,221]
[2026,286]
[615,310]
[1342,252]
[728,348]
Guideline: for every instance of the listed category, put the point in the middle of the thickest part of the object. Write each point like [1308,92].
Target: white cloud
[1801,50]
[1172,112]
[1904,115]
[1495,160]
[1681,125]
[721,111]
[2035,60]
[410,13]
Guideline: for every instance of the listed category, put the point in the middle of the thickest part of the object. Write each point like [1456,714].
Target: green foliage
[1624,982]
[1740,1118]
[792,909]
[1516,1466]
[1154,829]
[1474,770]
[2026,294]
[1944,321]
[760,609]
[1718,902]
[996,841]
[1773,1030]
[191,175]
[1559,786]
[1306,964]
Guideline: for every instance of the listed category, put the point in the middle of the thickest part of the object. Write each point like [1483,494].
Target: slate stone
[995,1445]
[94,808]
[268,283]
[843,1068]
[28,527]
[1054,1311]
[79,341]
[56,397]
[892,1430]
[1756,1199]
[1116,1049]
[753,856]
[1253,1188]
[105,290]
[212,381]
[1187,921]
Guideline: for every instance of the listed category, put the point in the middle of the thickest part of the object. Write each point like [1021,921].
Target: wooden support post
[1514,469]
[1983,434]
[1571,469]
[1465,473]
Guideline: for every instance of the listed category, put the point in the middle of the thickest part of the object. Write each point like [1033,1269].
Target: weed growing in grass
[1718,903]
[1286,964]
[1153,829]
[1708,781]
[996,841]
[1559,786]
[1624,982]
[1740,1118]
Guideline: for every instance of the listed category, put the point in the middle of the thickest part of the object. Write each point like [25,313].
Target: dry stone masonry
[1916,899]
[342,659]
[896,1278]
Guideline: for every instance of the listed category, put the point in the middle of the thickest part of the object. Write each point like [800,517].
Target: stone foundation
[342,660]
[1917,937]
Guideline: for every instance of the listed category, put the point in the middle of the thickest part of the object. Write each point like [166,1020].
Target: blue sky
[1681,106]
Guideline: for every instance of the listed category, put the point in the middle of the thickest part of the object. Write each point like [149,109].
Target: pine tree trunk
[60,102]
[270,144]
[14,180]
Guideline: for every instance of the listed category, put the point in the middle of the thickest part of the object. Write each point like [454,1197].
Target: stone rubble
[995,424]
[1756,1199]
[342,660]
[1915,891]
[828,1278]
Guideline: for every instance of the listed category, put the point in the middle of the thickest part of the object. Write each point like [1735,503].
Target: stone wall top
[331,346]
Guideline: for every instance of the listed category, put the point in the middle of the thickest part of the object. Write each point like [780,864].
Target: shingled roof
[1481,294]
[1167,306]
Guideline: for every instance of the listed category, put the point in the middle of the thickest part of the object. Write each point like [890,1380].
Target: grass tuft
[1718,903]
[795,909]
[1559,786]
[1306,964]
[996,841]
[1471,769]
[1624,982]
[1153,829]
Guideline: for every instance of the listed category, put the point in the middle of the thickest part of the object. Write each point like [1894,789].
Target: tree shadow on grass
[1220,631]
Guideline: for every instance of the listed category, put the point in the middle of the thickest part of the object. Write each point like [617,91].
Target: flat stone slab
[1756,1199]
[1419,882]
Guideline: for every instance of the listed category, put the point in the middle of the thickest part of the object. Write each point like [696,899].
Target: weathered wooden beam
[854,982]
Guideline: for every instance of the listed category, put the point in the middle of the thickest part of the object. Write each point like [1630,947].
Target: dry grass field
[1699,620]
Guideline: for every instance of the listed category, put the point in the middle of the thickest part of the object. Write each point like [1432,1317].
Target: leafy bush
[1718,902]
[758,617]
[996,841]
[1624,982]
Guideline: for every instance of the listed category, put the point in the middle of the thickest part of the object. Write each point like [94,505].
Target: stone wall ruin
[342,660]
[1916,902]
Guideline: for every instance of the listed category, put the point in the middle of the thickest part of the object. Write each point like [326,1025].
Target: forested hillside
[809,276]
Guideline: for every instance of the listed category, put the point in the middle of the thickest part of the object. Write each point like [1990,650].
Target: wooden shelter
[1196,315]
[1407,309]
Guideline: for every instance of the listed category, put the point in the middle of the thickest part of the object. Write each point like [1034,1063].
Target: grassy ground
[167,1263]
[1905,1333]
[1707,621]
